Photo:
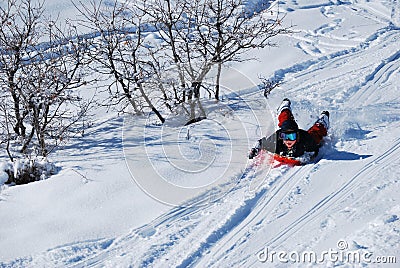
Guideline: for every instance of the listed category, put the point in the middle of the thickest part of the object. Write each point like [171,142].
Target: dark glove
[253,153]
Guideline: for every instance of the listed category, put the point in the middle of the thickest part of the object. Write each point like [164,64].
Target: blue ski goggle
[288,136]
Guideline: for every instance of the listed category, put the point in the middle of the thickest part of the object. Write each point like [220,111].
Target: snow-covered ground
[112,203]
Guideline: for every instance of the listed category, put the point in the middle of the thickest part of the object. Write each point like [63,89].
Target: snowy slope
[345,58]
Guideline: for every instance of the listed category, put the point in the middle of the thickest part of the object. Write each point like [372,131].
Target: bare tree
[118,51]
[52,80]
[196,36]
[239,29]
[19,25]
[205,34]
[267,85]
[41,72]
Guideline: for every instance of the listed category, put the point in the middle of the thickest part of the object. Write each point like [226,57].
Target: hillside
[112,203]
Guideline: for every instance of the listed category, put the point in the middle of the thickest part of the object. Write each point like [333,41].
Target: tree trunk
[19,127]
[195,91]
[126,91]
[217,82]
[27,141]
[148,101]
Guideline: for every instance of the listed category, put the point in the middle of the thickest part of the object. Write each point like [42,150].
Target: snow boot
[323,119]
[284,105]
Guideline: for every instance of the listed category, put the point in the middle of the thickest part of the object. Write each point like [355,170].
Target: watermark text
[339,254]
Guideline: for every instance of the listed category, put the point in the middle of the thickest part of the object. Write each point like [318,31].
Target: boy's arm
[311,145]
[269,143]
[266,143]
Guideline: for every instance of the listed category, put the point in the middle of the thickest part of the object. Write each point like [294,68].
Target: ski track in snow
[210,235]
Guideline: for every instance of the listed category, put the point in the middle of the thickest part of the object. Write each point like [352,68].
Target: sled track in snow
[187,217]
[231,223]
[324,205]
[245,215]
[265,206]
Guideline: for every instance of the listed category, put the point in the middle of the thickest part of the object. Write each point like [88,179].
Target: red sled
[287,160]
[276,160]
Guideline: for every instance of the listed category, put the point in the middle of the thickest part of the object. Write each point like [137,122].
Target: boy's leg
[284,115]
[320,128]
[284,112]
[318,132]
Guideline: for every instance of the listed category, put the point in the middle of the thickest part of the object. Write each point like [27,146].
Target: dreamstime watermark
[341,254]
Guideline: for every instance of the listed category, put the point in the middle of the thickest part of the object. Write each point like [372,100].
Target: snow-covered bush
[4,168]
[26,170]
